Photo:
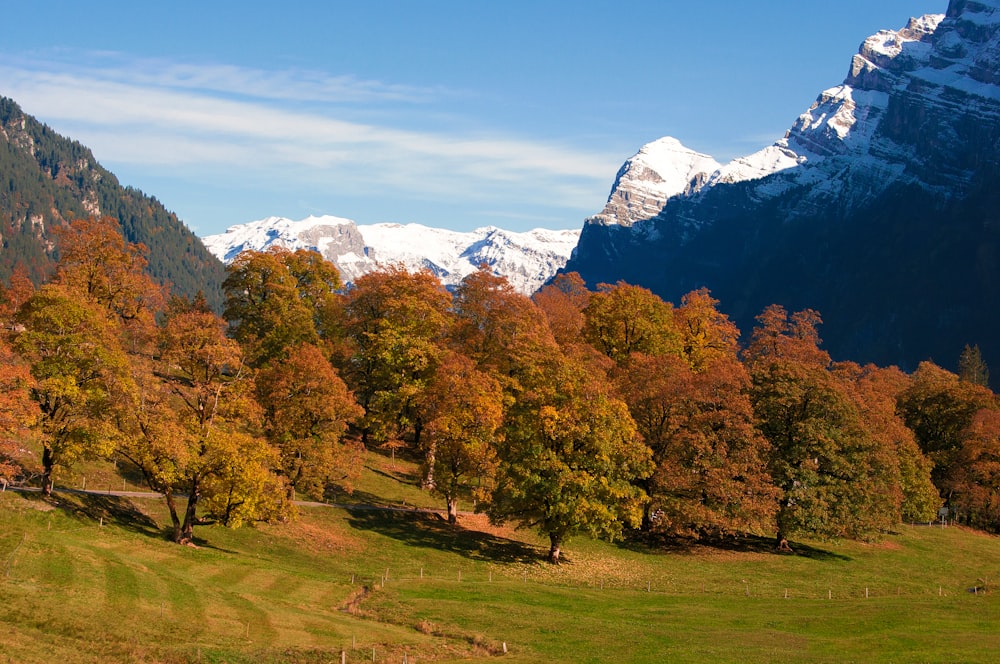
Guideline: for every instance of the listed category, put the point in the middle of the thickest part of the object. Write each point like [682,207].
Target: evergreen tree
[972,368]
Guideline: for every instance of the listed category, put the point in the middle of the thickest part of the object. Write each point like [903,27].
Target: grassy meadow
[91,578]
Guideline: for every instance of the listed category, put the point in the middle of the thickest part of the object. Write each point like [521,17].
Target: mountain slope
[527,260]
[878,208]
[49,180]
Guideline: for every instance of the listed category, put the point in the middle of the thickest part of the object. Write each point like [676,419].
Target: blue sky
[453,114]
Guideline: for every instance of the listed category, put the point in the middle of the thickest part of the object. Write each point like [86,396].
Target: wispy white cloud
[165,115]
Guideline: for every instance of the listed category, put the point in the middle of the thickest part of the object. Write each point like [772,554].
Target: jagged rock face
[526,260]
[878,206]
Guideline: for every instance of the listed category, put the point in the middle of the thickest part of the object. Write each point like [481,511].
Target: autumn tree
[498,328]
[706,333]
[18,411]
[318,283]
[463,411]
[191,427]
[710,472]
[265,307]
[624,319]
[307,408]
[395,323]
[875,392]
[973,481]
[98,264]
[563,302]
[834,476]
[14,294]
[938,407]
[78,368]
[569,458]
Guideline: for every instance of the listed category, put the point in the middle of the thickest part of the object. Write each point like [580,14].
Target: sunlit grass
[93,579]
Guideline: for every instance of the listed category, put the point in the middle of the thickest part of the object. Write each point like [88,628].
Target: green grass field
[92,579]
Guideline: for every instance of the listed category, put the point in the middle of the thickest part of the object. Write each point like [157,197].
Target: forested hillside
[49,180]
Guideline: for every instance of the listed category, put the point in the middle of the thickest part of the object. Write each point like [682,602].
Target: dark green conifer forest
[49,180]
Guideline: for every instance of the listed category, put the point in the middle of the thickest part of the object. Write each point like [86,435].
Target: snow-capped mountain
[854,133]
[526,259]
[658,172]
[880,207]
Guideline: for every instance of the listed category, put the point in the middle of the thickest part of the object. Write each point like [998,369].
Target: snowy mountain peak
[526,259]
[658,171]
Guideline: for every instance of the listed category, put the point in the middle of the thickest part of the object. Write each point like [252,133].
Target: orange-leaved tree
[711,475]
[79,370]
[307,408]
[395,323]
[831,469]
[463,410]
[570,456]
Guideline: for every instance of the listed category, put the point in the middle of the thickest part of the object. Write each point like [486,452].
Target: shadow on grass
[357,497]
[434,532]
[109,510]
[116,511]
[653,543]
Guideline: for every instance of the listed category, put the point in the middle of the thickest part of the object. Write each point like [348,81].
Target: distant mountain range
[880,207]
[527,259]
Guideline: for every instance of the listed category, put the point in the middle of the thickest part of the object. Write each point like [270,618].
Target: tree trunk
[430,458]
[452,510]
[190,514]
[48,462]
[555,549]
[174,519]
